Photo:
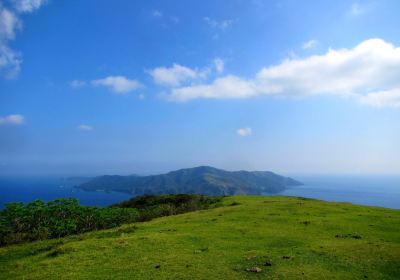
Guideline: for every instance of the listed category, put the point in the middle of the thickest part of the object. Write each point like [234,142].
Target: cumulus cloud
[245,131]
[175,75]
[10,23]
[309,44]
[85,127]
[370,69]
[219,65]
[118,84]
[12,120]
[373,64]
[224,87]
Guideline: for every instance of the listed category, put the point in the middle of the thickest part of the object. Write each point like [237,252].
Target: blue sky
[296,87]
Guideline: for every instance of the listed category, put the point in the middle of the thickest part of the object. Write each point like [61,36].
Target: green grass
[300,238]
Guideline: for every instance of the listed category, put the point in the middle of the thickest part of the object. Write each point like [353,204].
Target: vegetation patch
[151,206]
[39,220]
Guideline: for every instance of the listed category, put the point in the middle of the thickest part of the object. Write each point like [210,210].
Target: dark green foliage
[151,206]
[178,200]
[39,220]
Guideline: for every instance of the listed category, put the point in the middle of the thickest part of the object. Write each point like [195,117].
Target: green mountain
[201,180]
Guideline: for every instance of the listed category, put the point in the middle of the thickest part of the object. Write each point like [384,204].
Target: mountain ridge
[200,180]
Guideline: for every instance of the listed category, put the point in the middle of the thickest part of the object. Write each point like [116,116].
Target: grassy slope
[221,243]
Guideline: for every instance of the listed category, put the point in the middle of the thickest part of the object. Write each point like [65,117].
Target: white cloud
[372,67]
[373,64]
[85,127]
[224,87]
[309,44]
[10,23]
[245,131]
[176,75]
[77,83]
[12,120]
[28,6]
[221,25]
[386,98]
[219,65]
[118,84]
[10,62]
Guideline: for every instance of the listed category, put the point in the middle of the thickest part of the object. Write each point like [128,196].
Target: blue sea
[381,191]
[26,189]
[374,191]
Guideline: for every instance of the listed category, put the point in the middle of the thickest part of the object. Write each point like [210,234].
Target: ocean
[27,189]
[364,190]
[381,191]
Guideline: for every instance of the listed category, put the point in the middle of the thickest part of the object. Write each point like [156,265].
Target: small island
[198,180]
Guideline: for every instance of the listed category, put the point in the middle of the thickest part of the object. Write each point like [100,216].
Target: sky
[120,87]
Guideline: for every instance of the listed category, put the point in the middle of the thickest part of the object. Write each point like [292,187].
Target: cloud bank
[369,73]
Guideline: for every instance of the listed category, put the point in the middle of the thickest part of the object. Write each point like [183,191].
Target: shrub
[152,206]
[39,220]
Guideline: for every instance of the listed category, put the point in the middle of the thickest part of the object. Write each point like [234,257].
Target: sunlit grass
[287,238]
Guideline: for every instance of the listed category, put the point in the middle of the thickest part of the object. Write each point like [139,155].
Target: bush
[39,220]
[152,206]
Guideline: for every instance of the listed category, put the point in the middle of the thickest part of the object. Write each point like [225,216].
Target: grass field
[287,238]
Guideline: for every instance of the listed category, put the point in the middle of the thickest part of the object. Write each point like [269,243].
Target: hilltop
[199,180]
[285,237]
